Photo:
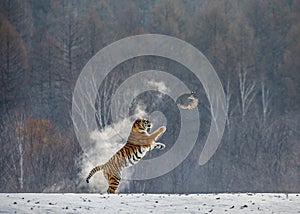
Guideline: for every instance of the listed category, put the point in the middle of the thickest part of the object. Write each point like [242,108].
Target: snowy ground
[149,203]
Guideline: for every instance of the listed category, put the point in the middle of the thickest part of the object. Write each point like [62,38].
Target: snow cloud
[160,86]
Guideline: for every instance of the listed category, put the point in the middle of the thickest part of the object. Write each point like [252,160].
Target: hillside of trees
[254,47]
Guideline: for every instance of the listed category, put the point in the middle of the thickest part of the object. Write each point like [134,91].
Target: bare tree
[228,97]
[266,101]
[247,91]
[14,143]
[169,17]
[20,140]
[244,59]
[13,65]
[91,31]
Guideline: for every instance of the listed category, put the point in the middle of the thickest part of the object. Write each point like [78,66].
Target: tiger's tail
[93,171]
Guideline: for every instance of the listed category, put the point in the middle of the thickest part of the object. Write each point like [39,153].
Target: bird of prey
[187,101]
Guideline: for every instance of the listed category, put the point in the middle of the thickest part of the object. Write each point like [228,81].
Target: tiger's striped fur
[138,144]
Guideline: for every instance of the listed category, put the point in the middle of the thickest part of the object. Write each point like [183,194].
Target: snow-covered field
[149,203]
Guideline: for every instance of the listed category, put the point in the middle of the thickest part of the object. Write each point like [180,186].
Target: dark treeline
[253,45]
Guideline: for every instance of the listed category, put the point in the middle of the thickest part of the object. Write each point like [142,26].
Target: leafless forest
[253,45]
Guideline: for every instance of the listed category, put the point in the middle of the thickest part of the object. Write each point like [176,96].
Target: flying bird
[187,101]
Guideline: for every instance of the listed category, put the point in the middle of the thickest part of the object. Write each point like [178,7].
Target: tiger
[139,142]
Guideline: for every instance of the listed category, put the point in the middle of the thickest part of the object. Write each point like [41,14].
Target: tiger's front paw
[162,129]
[159,146]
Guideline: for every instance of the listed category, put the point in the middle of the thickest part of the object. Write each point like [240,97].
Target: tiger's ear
[138,120]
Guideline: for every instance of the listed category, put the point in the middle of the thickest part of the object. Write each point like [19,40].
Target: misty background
[254,47]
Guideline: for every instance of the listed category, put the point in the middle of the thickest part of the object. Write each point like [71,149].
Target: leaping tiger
[138,144]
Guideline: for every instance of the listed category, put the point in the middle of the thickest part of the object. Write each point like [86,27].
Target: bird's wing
[191,104]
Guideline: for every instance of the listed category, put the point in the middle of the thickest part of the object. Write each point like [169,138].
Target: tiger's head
[142,125]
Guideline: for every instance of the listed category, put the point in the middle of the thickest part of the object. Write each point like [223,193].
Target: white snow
[149,203]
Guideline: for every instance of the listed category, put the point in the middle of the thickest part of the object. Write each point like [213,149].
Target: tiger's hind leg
[113,182]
